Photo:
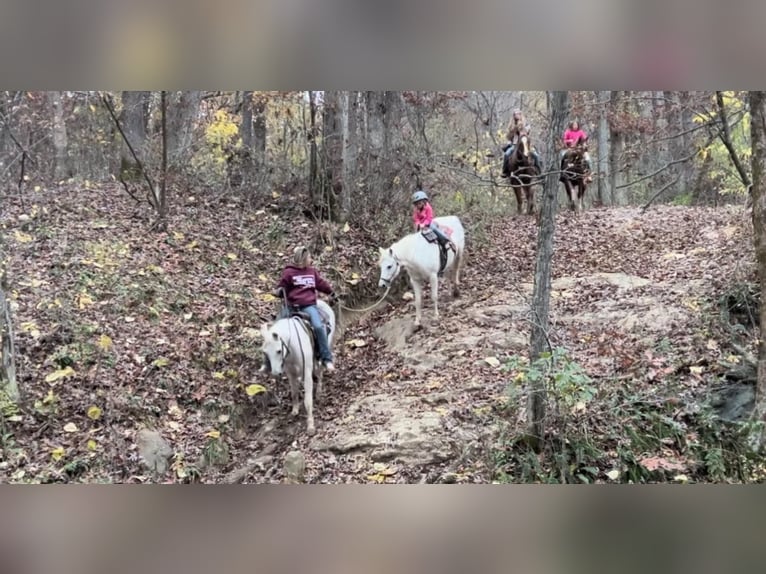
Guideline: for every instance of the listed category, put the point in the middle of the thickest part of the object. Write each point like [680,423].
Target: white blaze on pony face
[389,267]
[525,145]
[274,349]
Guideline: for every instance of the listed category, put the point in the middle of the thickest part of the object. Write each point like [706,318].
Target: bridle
[394,273]
[285,347]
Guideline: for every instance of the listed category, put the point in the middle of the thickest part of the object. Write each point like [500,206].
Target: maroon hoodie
[300,284]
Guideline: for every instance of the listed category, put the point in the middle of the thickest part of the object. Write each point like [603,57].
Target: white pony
[289,345]
[421,260]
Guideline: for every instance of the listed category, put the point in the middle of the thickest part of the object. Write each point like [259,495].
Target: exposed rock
[154,451]
[295,466]
[403,432]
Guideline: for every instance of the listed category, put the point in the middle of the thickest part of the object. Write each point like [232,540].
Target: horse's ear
[264,329]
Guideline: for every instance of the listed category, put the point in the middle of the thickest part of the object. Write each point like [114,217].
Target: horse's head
[274,347]
[390,266]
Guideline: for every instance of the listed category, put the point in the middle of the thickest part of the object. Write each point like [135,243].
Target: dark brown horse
[573,174]
[524,174]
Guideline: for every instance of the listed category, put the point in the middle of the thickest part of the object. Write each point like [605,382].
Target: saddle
[430,236]
[288,311]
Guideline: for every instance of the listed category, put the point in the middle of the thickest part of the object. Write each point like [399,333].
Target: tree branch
[154,202]
[656,195]
[726,139]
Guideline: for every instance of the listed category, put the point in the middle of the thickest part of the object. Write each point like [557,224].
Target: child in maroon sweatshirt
[300,282]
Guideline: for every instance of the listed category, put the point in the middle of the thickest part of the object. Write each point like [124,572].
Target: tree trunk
[8,383]
[616,150]
[314,192]
[246,125]
[558,104]
[604,177]
[260,102]
[758,168]
[133,119]
[180,124]
[350,151]
[61,167]
[332,144]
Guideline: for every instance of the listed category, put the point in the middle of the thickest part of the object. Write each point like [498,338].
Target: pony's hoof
[417,327]
[311,431]
[295,411]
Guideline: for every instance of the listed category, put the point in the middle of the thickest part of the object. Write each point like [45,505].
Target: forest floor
[119,329]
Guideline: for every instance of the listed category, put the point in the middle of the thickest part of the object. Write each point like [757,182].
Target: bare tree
[758,167]
[558,103]
[61,166]
[604,177]
[8,383]
[133,119]
[181,119]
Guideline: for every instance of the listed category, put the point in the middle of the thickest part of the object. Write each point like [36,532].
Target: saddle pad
[429,235]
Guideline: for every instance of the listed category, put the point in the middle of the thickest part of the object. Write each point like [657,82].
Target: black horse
[574,173]
[523,174]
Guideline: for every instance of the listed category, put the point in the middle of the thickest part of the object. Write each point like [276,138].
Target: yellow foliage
[105,342]
[94,413]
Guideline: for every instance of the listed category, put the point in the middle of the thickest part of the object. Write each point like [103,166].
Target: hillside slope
[120,330]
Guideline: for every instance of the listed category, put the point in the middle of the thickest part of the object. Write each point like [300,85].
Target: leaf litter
[163,332]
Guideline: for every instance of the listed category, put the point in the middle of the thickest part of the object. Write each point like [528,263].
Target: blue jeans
[319,330]
[439,233]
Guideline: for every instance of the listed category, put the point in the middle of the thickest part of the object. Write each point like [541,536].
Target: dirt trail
[410,406]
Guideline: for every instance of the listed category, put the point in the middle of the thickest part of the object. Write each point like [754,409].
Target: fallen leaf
[696,370]
[613,474]
[492,361]
[712,345]
[105,342]
[253,390]
[346,228]
[231,256]
[213,434]
[58,453]
[94,413]
[83,300]
[681,478]
[60,374]
[267,297]
[70,427]
[655,463]
[22,237]
[92,445]
[356,343]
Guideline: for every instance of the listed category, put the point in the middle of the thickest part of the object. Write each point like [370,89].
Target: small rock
[436,398]
[449,478]
[295,466]
[154,450]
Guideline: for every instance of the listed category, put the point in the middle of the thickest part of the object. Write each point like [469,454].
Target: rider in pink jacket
[571,136]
